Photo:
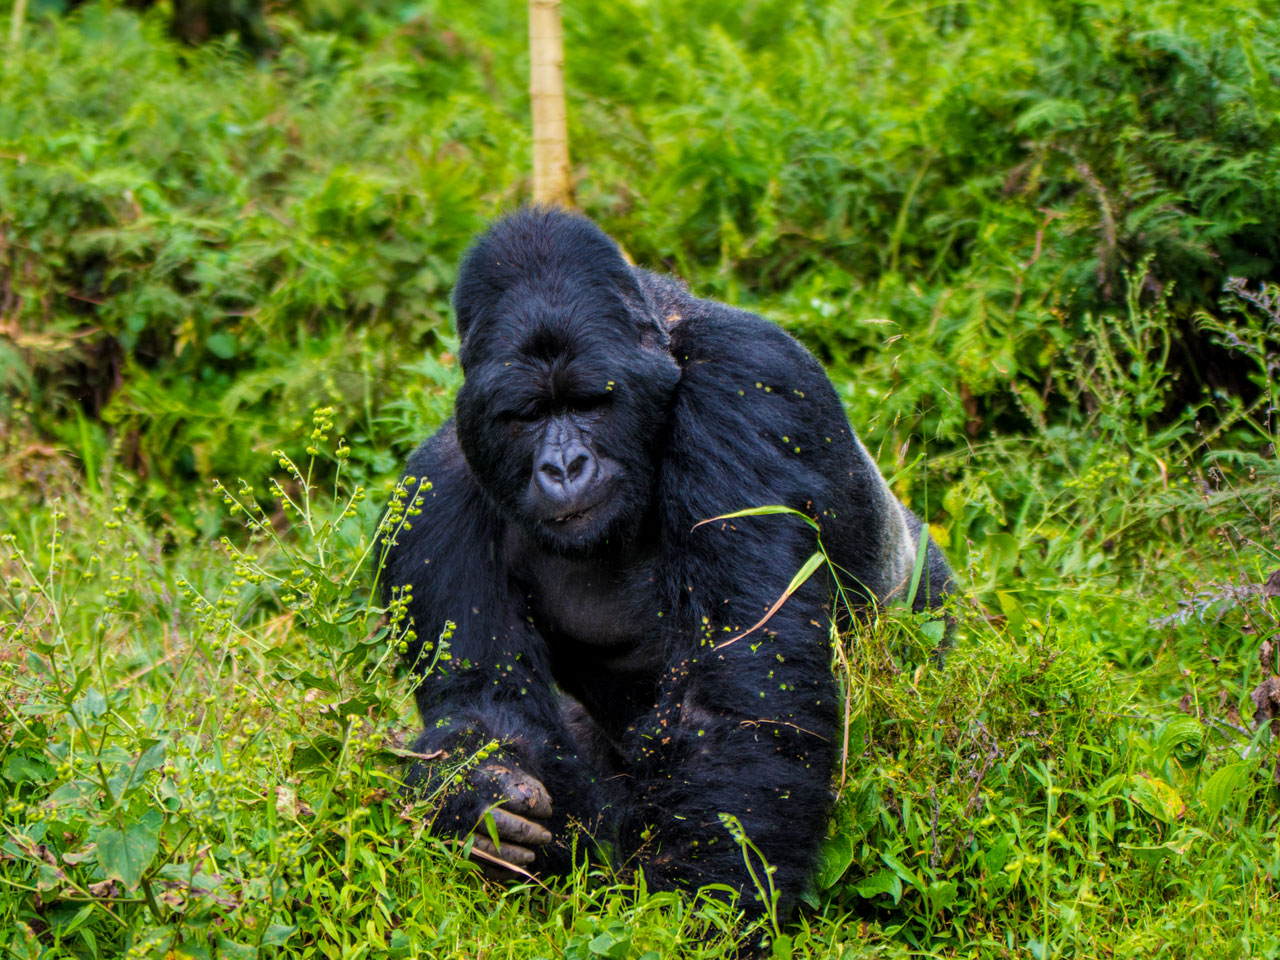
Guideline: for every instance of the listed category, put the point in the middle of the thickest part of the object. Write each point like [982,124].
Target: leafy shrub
[200,238]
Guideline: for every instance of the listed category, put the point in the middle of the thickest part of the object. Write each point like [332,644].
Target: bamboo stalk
[546,90]
[15,25]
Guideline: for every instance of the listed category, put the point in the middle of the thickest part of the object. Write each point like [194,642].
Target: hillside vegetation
[1035,244]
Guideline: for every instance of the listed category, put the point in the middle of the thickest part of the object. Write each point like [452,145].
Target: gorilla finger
[517,829]
[523,793]
[510,852]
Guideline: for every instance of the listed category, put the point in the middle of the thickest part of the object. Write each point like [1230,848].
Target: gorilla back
[605,413]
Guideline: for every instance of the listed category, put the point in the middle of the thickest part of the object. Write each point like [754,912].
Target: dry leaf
[106,890]
[1272,587]
[286,803]
[41,851]
[1267,656]
[289,806]
[1266,704]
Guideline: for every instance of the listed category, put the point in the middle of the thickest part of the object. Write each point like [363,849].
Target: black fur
[605,413]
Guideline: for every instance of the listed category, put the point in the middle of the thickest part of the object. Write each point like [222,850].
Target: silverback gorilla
[605,413]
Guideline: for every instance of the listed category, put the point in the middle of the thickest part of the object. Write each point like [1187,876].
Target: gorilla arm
[744,726]
[492,684]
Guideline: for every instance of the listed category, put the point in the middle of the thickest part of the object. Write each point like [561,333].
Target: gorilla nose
[565,472]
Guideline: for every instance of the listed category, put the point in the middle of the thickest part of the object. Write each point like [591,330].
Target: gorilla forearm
[776,788]
[769,767]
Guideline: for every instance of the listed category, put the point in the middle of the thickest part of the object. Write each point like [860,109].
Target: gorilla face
[562,431]
[568,385]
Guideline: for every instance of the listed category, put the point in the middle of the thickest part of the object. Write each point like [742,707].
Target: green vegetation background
[1007,228]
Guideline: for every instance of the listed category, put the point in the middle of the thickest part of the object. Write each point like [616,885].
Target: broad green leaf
[321,752]
[221,345]
[885,881]
[934,630]
[902,870]
[1157,798]
[151,757]
[834,858]
[305,678]
[75,793]
[230,950]
[1225,783]
[95,704]
[1012,611]
[997,854]
[610,944]
[40,709]
[49,877]
[941,894]
[1155,855]
[125,854]
[24,767]
[132,777]
[277,934]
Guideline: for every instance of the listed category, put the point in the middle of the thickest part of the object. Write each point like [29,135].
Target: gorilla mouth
[578,514]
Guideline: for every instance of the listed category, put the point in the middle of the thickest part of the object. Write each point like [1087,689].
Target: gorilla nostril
[551,471]
[574,470]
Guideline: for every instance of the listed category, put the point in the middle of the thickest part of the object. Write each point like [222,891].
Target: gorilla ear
[655,337]
[653,333]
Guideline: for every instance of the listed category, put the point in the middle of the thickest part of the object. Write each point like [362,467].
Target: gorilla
[605,636]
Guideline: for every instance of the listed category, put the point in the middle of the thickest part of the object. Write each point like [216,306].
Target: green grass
[1004,228]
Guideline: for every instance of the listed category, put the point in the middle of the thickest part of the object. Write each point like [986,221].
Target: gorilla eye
[520,415]
[588,404]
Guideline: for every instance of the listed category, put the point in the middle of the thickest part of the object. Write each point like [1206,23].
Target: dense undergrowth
[1007,229]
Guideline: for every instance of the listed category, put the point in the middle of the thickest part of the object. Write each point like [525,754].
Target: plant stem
[15,25]
[546,93]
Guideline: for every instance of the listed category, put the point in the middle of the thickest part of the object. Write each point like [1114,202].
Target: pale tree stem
[15,25]
[546,89]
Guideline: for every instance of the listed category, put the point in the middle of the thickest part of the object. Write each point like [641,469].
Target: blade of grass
[921,549]
[803,574]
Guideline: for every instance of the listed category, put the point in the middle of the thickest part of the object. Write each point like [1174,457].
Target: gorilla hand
[515,801]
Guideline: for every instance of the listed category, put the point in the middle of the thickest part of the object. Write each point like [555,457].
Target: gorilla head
[568,379]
